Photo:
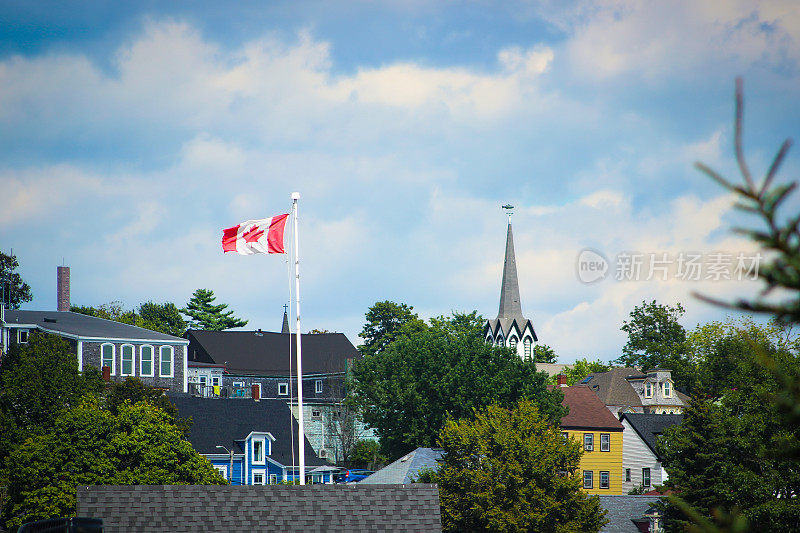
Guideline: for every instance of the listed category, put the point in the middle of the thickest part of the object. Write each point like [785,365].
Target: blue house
[250,442]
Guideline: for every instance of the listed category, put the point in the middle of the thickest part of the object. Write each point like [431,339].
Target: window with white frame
[513,342]
[167,366]
[258,451]
[588,479]
[216,380]
[318,386]
[316,414]
[645,477]
[528,345]
[273,479]
[107,357]
[667,388]
[126,367]
[259,477]
[146,360]
[283,389]
[22,336]
[605,480]
[223,470]
[605,442]
[238,383]
[648,390]
[588,442]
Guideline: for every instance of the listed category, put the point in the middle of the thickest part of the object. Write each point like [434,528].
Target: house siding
[597,461]
[636,455]
[91,357]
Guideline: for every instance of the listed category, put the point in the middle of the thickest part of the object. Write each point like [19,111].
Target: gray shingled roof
[221,422]
[407,468]
[650,426]
[309,508]
[613,388]
[266,353]
[84,327]
[622,510]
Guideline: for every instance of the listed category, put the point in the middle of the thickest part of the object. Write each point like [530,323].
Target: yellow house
[600,433]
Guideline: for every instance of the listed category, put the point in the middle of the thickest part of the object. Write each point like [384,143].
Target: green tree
[542,353]
[134,390]
[13,291]
[657,340]
[511,470]
[110,311]
[409,389]
[387,321]
[367,454]
[90,446]
[776,394]
[580,369]
[39,380]
[209,316]
[165,318]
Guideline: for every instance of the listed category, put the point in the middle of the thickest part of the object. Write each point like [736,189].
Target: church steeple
[510,306]
[285,326]
[510,328]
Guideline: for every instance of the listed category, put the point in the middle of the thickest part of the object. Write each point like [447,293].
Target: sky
[132,133]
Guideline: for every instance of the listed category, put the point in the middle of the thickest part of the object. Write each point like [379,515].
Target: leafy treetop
[13,291]
[387,321]
[209,316]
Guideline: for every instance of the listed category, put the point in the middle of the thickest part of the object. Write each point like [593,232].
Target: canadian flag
[263,236]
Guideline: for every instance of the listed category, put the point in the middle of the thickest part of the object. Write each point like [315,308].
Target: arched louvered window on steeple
[489,339]
[513,342]
[528,343]
[500,341]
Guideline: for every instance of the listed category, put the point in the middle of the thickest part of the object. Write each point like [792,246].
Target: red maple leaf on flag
[253,234]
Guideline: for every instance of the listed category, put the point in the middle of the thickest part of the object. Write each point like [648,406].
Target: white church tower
[510,328]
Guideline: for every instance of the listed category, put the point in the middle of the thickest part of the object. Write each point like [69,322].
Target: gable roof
[221,422]
[650,426]
[613,387]
[267,353]
[85,327]
[586,410]
[407,468]
[189,508]
[623,510]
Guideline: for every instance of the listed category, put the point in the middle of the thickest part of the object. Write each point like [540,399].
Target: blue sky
[132,133]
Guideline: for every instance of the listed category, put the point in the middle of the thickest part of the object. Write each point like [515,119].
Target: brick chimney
[63,288]
[561,379]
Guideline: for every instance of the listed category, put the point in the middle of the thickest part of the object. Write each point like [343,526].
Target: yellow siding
[597,461]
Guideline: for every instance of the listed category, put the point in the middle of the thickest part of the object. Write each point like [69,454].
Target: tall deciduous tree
[89,446]
[410,388]
[511,470]
[386,321]
[13,291]
[657,340]
[38,381]
[165,318]
[542,353]
[580,369]
[210,316]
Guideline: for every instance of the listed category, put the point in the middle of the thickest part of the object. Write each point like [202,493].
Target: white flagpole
[301,435]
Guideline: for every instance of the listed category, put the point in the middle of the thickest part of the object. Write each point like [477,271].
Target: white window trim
[255,472]
[27,333]
[152,360]
[172,361]
[664,386]
[318,386]
[646,383]
[588,447]
[608,480]
[113,358]
[608,442]
[223,470]
[122,361]
[591,479]
[263,460]
[273,479]
[216,381]
[285,388]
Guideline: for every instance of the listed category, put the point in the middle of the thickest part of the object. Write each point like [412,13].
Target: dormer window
[667,389]
[648,390]
[258,451]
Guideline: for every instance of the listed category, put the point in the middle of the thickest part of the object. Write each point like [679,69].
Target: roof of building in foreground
[188,508]
[85,327]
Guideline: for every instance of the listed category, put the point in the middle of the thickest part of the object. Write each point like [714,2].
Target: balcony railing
[218,391]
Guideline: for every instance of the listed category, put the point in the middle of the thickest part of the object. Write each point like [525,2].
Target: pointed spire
[285,326]
[510,306]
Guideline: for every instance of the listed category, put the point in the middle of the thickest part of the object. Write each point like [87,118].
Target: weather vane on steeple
[510,210]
